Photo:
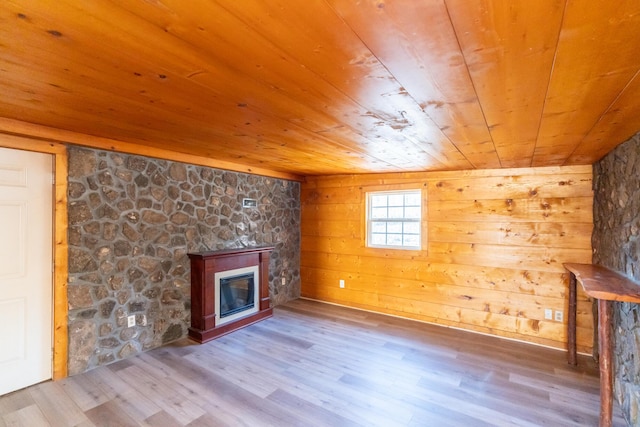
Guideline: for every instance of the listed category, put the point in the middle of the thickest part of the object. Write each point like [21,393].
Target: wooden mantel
[606,286]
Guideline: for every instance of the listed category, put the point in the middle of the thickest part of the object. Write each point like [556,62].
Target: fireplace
[229,290]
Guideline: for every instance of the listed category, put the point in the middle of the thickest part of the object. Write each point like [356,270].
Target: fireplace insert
[236,293]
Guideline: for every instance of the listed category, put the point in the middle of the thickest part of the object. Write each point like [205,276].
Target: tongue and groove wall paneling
[497,240]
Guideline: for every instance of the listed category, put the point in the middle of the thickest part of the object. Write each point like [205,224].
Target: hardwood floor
[315,364]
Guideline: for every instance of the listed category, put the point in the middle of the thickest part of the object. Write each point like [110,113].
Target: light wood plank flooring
[315,364]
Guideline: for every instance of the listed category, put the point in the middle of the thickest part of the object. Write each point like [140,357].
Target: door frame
[60,243]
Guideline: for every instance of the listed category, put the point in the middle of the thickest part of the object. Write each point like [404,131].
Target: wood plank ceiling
[332,86]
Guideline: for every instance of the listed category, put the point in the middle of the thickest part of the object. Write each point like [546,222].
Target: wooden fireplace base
[203,336]
[204,266]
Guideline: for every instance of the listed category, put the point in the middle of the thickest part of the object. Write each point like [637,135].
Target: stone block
[79,212]
[109,342]
[172,333]
[106,308]
[129,349]
[82,343]
[80,261]
[79,296]
[82,163]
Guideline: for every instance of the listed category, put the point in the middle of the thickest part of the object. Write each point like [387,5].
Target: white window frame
[370,220]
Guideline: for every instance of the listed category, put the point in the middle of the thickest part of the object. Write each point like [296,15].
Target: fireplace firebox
[229,290]
[236,293]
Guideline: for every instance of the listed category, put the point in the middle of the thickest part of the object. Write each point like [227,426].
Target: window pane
[379,227]
[396,199]
[412,199]
[411,240]
[413,212]
[396,212]
[379,239]
[394,239]
[394,227]
[412,228]
[378,213]
[378,201]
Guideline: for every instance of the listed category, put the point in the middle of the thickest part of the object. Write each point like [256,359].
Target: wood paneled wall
[496,243]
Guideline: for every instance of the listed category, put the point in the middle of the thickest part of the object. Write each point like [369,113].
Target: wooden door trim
[60,243]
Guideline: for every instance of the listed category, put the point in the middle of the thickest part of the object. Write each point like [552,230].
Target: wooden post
[571,321]
[606,365]
[596,342]
[265,300]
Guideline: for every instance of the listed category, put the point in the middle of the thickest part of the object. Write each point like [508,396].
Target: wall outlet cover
[559,316]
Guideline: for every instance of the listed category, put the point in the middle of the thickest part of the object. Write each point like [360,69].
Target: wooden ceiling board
[331,86]
[176,84]
[387,149]
[281,147]
[394,148]
[620,122]
[429,65]
[509,48]
[595,60]
[347,64]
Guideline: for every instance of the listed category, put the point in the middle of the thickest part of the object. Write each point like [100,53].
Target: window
[394,219]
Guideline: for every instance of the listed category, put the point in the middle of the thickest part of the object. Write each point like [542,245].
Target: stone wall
[616,244]
[132,221]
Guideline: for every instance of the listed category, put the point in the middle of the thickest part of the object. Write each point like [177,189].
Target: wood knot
[535,324]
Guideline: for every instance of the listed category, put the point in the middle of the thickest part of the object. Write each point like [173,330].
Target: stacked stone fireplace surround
[132,221]
[616,244]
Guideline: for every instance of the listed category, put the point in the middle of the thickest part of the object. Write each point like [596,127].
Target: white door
[26,211]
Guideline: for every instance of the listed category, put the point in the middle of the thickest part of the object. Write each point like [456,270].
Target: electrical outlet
[284,281]
[341,283]
[559,316]
[548,314]
[131,321]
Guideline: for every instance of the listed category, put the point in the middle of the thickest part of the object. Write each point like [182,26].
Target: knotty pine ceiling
[332,86]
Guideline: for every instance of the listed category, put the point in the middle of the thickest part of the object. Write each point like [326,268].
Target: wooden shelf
[602,283]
